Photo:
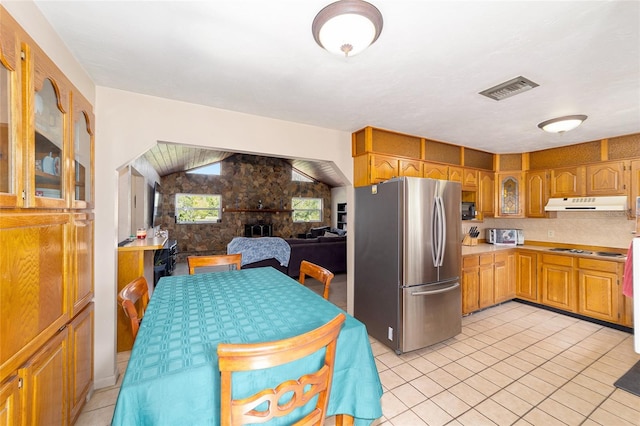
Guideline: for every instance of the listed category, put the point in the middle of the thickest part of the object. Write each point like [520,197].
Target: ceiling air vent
[509,88]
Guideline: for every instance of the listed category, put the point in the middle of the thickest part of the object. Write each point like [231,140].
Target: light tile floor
[513,364]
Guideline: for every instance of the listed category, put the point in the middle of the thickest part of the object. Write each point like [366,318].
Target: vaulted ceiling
[167,158]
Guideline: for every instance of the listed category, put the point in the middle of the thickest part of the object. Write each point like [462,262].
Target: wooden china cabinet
[46,236]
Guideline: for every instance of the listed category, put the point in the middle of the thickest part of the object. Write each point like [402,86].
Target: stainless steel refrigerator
[407,261]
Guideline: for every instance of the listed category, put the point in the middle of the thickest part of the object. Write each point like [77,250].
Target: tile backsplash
[606,229]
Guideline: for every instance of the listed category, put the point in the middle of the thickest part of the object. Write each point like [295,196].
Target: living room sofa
[328,252]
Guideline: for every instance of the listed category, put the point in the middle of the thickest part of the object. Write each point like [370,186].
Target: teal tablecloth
[172,377]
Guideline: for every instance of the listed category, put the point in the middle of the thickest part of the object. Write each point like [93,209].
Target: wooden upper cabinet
[536,193]
[47,98]
[486,194]
[456,174]
[635,186]
[567,182]
[436,171]
[510,195]
[381,155]
[82,149]
[374,168]
[11,181]
[606,178]
[469,180]
[412,168]
[82,263]
[383,167]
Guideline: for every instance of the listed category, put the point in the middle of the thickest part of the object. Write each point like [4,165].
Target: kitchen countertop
[491,248]
[153,243]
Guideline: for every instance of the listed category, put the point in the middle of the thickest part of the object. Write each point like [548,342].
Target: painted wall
[129,124]
[606,229]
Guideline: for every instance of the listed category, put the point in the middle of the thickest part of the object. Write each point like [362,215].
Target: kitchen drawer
[555,259]
[598,265]
[486,259]
[470,261]
[502,256]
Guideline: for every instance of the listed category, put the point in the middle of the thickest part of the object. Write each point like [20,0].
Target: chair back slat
[134,298]
[319,273]
[256,356]
[214,260]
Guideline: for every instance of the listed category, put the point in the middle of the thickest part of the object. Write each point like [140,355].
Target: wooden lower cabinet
[599,292]
[10,402]
[487,280]
[470,284]
[504,276]
[557,284]
[34,284]
[627,311]
[46,326]
[485,272]
[44,384]
[583,285]
[527,275]
[80,360]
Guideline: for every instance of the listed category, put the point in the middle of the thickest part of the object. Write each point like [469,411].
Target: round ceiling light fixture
[562,124]
[347,27]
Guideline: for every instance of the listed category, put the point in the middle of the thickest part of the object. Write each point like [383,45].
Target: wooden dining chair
[215,260]
[319,273]
[134,293]
[257,356]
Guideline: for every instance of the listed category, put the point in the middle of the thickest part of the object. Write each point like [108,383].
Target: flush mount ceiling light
[347,27]
[562,124]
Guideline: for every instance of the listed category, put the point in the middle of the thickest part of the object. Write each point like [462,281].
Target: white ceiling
[421,77]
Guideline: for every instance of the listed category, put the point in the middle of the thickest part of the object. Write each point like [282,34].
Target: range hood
[617,203]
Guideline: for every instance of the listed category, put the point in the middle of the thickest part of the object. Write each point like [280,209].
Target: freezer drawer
[431,313]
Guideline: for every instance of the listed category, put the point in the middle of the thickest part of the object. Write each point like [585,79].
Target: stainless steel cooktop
[578,251]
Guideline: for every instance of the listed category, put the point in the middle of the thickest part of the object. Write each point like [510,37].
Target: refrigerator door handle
[432,292]
[435,239]
[443,231]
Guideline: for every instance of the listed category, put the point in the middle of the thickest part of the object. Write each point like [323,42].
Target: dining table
[172,377]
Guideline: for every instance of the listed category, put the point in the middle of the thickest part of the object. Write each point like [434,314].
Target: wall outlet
[551,233]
